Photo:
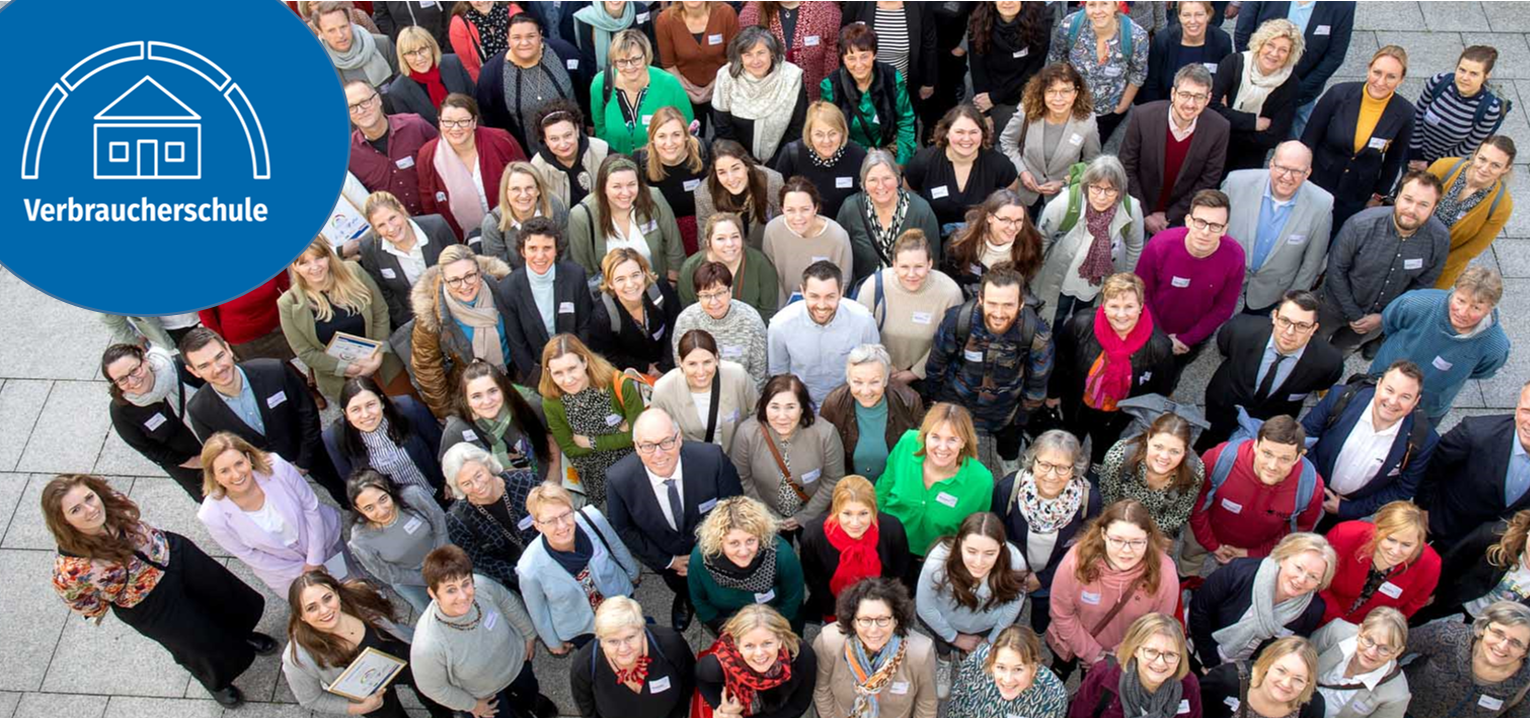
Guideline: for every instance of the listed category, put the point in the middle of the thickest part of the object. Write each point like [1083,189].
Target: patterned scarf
[638,673]
[758,577]
[858,558]
[1048,515]
[1097,265]
[832,160]
[872,674]
[743,682]
[882,238]
[762,100]
[493,29]
[1110,377]
[494,431]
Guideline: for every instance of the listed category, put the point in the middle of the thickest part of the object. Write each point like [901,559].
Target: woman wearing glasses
[1054,129]
[425,75]
[1150,678]
[457,319]
[1118,571]
[1252,601]
[523,196]
[869,661]
[997,230]
[148,409]
[1384,560]
[460,170]
[1357,672]
[735,327]
[623,121]
[1256,91]
[741,560]
[1281,683]
[571,569]
[590,408]
[633,668]
[971,588]
[753,279]
[1085,242]
[1008,677]
[1473,670]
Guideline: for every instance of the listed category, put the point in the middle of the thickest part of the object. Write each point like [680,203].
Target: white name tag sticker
[1297,397]
[731,351]
[404,163]
[706,506]
[155,422]
[765,597]
[1490,702]
[1146,376]
[440,196]
[714,39]
[810,41]
[1322,30]
[972,355]
[690,185]
[1441,364]
[940,192]
[389,274]
[843,182]
[948,500]
[613,419]
[975,269]
[899,688]
[1092,599]
[524,524]
[1211,67]
[642,17]
[573,63]
[658,685]
[922,317]
[1378,143]
[1231,702]
[812,476]
[1076,139]
[1022,52]
[1417,263]
[1181,282]
[647,119]
[1230,505]
[817,259]
[413,525]
[426,4]
[565,307]
[276,399]
[1431,118]
[1296,239]
[1390,590]
[491,620]
[1184,703]
[650,225]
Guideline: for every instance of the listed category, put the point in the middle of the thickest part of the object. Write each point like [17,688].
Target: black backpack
[1418,435]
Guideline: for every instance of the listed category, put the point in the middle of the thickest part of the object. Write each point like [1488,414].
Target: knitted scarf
[1097,265]
[461,188]
[165,379]
[604,27]
[872,674]
[744,683]
[1137,702]
[431,79]
[882,238]
[1048,515]
[1263,619]
[362,55]
[483,318]
[858,558]
[1110,377]
[494,435]
[758,577]
[1256,88]
[765,100]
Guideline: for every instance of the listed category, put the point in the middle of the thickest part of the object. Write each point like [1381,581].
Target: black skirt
[200,612]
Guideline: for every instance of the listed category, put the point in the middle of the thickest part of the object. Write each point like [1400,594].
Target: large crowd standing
[756,300]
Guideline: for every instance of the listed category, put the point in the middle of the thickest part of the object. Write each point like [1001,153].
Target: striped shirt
[892,38]
[1444,125]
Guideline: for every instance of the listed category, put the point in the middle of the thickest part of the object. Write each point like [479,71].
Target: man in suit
[1174,148]
[399,249]
[1269,366]
[657,496]
[1326,28]
[1479,473]
[1285,242]
[264,401]
[548,295]
[1370,442]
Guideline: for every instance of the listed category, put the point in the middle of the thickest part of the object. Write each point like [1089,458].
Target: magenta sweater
[1190,297]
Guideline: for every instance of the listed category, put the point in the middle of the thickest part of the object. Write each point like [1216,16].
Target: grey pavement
[53,419]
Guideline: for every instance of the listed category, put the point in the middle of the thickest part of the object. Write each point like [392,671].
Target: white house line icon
[164,145]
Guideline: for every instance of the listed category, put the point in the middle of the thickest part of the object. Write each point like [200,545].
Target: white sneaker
[943,670]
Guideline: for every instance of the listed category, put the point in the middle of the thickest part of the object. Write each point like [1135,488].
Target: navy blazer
[634,511]
[411,96]
[524,330]
[1473,459]
[286,408]
[1327,39]
[1391,483]
[422,445]
[389,274]
[1017,528]
[1352,177]
[1223,599]
[1160,77]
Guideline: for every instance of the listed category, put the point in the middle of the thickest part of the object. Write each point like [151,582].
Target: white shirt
[1362,454]
[661,492]
[412,261]
[634,239]
[703,402]
[1337,699]
[272,523]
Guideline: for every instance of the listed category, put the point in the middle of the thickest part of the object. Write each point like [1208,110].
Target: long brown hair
[1166,423]
[116,543]
[1091,548]
[980,26]
[520,410]
[642,205]
[357,598]
[967,244]
[756,204]
[1507,551]
[1006,583]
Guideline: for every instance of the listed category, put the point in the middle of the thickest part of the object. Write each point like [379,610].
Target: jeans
[416,596]
[1303,114]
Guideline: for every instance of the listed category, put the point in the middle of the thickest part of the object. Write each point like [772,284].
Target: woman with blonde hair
[1149,678]
[1491,564]
[1358,671]
[634,321]
[627,70]
[457,318]
[1249,602]
[576,564]
[261,510]
[752,278]
[740,561]
[1281,683]
[329,297]
[1054,129]
[1008,677]
[399,249]
[852,543]
[825,156]
[934,480]
[675,164]
[582,395]
[757,667]
[425,76]
[632,668]
[1256,91]
[523,194]
[1384,560]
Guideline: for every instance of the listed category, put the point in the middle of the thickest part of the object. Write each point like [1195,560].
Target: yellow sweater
[1474,231]
[1370,114]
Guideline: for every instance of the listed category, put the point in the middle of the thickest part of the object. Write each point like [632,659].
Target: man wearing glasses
[384,147]
[1174,149]
[1269,366]
[1286,240]
[657,496]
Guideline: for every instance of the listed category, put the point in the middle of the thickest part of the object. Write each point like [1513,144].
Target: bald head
[653,428]
[1289,168]
[654,424]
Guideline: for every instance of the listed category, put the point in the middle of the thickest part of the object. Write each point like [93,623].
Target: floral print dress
[589,414]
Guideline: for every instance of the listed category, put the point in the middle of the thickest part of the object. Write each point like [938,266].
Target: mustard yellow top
[1370,114]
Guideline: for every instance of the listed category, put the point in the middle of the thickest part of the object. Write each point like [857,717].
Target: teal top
[930,513]
[663,90]
[870,137]
[715,604]
[870,457]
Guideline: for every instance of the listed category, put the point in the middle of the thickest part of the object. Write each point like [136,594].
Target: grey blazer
[389,274]
[1080,143]
[1301,251]
[1389,700]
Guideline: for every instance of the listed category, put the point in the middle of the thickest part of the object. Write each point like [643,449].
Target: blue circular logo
[170,160]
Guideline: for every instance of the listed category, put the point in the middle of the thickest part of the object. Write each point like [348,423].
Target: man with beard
[811,338]
[1379,254]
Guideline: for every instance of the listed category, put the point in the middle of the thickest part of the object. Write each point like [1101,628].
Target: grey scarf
[165,380]
[1264,618]
[364,56]
[1137,702]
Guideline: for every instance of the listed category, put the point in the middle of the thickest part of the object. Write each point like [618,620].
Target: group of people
[754,300]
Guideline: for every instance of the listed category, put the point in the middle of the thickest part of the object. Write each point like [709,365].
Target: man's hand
[967,642]
[1155,223]
[486,708]
[1366,324]
[1231,11]
[681,565]
[982,101]
[1330,501]
[1262,124]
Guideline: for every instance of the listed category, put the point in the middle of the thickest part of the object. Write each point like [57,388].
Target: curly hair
[737,512]
[1511,545]
[1034,98]
[887,590]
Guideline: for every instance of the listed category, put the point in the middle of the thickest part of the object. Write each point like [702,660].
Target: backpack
[639,381]
[1482,107]
[1418,435]
[1124,31]
[1076,201]
[654,295]
[1306,485]
[1027,322]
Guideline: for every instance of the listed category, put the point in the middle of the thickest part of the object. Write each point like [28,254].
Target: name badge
[642,17]
[650,225]
[1417,263]
[389,274]
[1431,118]
[491,620]
[155,422]
[812,476]
[975,269]
[1092,599]
[658,685]
[1147,375]
[1297,397]
[706,506]
[690,185]
[1184,703]
[1378,143]
[972,355]
[1076,140]
[817,258]
[940,192]
[1022,52]
[899,688]
[1296,239]
[946,499]
[1490,702]
[1231,702]
[440,196]
[1211,67]
[414,525]
[647,119]
[1391,590]
[810,41]
[573,63]
[1231,506]
[765,597]
[404,163]
[922,317]
[613,419]
[1322,30]
[714,39]
[732,351]
[276,399]
[842,182]
[1441,364]
[565,307]
[1181,282]
[524,524]
[426,4]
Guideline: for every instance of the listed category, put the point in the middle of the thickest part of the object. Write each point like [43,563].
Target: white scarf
[1264,618]
[165,380]
[1255,88]
[768,101]
[363,55]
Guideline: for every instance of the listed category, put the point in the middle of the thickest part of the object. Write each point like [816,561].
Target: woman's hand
[983,102]
[729,707]
[790,525]
[531,648]
[372,703]
[1032,584]
[1028,181]
[561,648]
[926,92]
[967,642]
[486,708]
[310,568]
[1262,124]
[583,441]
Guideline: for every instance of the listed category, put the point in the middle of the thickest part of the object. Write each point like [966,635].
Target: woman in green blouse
[1158,469]
[623,121]
[873,95]
[934,480]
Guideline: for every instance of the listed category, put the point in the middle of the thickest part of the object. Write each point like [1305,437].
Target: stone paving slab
[21,402]
[122,460]
[59,705]
[134,707]
[32,346]
[69,433]
[34,619]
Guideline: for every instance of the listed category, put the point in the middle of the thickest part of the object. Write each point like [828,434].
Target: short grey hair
[1504,613]
[461,455]
[868,353]
[745,40]
[1194,72]
[1484,284]
[879,156]
[1106,169]
[1058,440]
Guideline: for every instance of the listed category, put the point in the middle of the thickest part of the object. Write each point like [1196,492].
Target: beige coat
[557,182]
[817,461]
[297,320]
[736,399]
[910,694]
[1389,700]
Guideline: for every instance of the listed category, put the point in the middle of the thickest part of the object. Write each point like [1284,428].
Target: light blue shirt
[795,344]
[1273,214]
[1300,14]
[1281,374]
[543,288]
[244,405]
[1518,480]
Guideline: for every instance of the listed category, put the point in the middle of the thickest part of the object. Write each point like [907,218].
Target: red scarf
[741,681]
[431,79]
[1110,377]
[858,558]
[636,674]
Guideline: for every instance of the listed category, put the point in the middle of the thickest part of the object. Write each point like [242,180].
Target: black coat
[820,560]
[157,432]
[1018,529]
[1352,177]
[633,347]
[1077,348]
[634,511]
[922,58]
[286,408]
[392,17]
[1241,342]
[1223,599]
[1160,78]
[490,92]
[1327,39]
[389,274]
[524,329]
[1224,682]
[1473,460]
[1246,147]
[1003,69]
[410,96]
[422,444]
[597,693]
[1465,574]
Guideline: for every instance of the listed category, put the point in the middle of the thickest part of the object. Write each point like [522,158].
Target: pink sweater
[1077,607]
[1190,297]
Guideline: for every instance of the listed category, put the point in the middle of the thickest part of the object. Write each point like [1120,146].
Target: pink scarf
[1110,377]
[458,179]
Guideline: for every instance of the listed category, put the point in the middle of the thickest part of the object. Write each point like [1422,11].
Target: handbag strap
[786,474]
[598,534]
[1126,595]
[712,412]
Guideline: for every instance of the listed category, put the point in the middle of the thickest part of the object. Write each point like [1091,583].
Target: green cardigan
[929,514]
[715,604]
[852,216]
[663,91]
[329,373]
[587,243]
[557,421]
[758,286]
[907,142]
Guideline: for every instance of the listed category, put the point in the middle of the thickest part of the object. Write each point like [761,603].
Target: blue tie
[1518,478]
[675,509]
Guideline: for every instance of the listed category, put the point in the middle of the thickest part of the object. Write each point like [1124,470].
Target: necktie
[675,510]
[1268,385]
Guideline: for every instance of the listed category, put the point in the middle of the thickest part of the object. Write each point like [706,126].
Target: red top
[1174,153]
[496,148]
[1406,589]
[250,317]
[1245,512]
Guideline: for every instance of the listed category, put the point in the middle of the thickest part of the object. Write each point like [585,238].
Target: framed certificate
[350,348]
[369,673]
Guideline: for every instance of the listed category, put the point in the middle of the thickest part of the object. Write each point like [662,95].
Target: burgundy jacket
[496,148]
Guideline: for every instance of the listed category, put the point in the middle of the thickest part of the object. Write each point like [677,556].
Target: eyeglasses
[629,62]
[1102,192]
[709,297]
[878,621]
[1195,97]
[1502,635]
[1039,467]
[135,374]
[1153,655]
[1287,325]
[1009,221]
[1381,649]
[567,517]
[648,447]
[463,281]
[457,124]
[369,102]
[1202,225]
[423,51]
[1120,543]
[1288,171]
[614,642]
[1062,91]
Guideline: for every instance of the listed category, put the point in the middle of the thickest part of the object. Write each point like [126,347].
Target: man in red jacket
[1252,509]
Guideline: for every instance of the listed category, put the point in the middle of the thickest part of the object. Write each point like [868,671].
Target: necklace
[470,625]
[504,498]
